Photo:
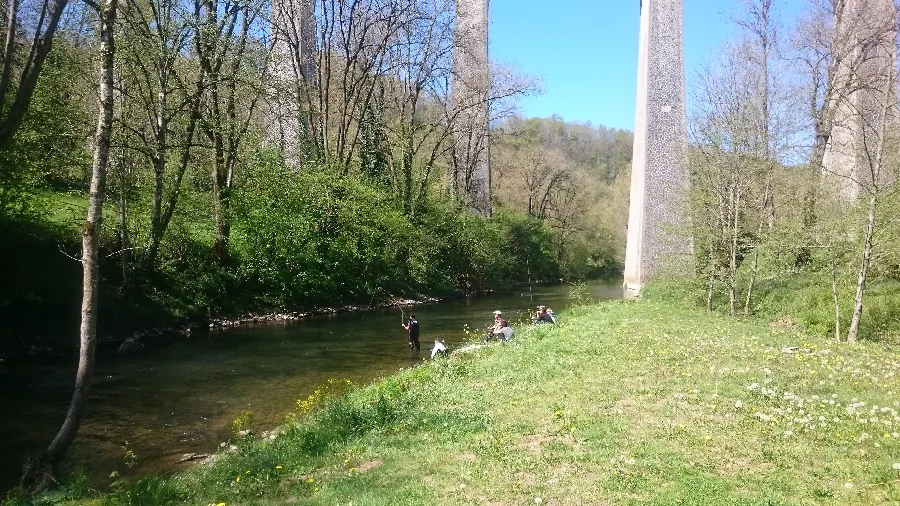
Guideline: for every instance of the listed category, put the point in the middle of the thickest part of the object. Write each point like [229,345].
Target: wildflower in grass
[896,466]
[738,405]
[848,485]
[277,467]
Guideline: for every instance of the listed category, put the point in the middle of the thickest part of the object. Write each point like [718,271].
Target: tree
[834,43]
[40,470]
[163,89]
[14,102]
[726,164]
[877,122]
[234,70]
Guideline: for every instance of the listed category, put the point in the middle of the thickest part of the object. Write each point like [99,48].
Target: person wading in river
[412,327]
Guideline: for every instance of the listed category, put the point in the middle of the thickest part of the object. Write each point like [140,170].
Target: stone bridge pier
[659,241]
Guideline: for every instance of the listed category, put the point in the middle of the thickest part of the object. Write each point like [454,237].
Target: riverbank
[621,403]
[360,251]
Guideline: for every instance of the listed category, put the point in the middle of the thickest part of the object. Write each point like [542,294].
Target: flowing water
[183,397]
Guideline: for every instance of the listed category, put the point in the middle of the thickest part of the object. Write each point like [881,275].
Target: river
[182,398]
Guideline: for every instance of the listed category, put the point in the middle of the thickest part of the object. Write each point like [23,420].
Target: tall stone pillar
[470,173]
[292,67]
[658,239]
[864,49]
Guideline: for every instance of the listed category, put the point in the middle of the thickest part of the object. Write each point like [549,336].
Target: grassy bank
[622,403]
[803,301]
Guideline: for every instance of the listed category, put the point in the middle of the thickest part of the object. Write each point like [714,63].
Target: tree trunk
[752,281]
[853,334]
[876,164]
[837,302]
[732,265]
[712,276]
[767,217]
[40,47]
[125,161]
[9,47]
[160,159]
[39,471]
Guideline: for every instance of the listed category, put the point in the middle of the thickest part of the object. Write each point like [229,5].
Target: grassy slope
[621,403]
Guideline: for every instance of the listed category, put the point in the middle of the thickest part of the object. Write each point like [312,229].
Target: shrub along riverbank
[621,403]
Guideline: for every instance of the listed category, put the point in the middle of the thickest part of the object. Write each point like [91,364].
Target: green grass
[801,300]
[622,403]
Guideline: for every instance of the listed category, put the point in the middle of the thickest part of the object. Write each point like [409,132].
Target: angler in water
[412,328]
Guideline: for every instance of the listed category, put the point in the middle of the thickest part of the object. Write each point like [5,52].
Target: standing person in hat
[412,328]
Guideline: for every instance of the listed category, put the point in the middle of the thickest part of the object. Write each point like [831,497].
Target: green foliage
[527,245]
[320,236]
[807,300]
[317,236]
[50,145]
[801,300]
[242,422]
[150,491]
[678,291]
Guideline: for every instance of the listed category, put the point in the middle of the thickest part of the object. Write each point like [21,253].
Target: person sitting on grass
[552,315]
[542,316]
[500,329]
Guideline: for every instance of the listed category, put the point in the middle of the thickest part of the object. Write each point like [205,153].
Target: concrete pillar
[470,173]
[292,66]
[658,239]
[864,49]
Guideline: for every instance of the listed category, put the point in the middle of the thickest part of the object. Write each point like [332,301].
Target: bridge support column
[469,177]
[659,241]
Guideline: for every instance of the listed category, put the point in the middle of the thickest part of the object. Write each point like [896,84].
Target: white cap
[497,312]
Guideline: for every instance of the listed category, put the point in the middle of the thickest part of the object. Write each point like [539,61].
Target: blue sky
[586,51]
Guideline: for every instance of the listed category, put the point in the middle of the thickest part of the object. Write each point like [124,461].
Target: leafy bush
[315,236]
[319,236]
